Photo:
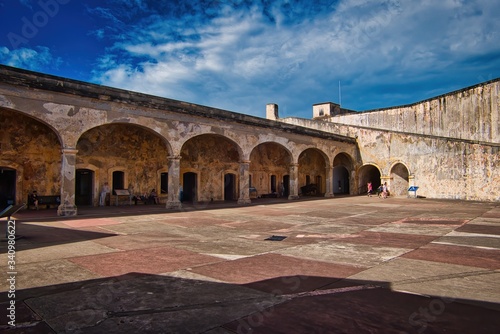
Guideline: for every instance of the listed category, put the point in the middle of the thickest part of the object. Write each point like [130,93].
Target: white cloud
[33,59]
[241,60]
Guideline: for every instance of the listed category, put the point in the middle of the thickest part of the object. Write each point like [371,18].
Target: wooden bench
[47,200]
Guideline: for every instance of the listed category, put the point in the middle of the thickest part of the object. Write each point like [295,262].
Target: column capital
[247,162]
[174,157]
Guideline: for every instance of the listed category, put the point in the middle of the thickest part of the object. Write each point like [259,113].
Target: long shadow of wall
[143,303]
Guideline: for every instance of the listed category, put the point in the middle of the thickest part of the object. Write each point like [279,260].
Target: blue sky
[240,55]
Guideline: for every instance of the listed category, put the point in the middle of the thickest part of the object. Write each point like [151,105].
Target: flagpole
[340,95]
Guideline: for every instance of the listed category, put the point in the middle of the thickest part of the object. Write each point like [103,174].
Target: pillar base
[67,210]
[243,201]
[174,205]
[293,197]
[329,195]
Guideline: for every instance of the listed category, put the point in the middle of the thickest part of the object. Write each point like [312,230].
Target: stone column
[329,182]
[174,182]
[411,181]
[294,181]
[68,173]
[244,183]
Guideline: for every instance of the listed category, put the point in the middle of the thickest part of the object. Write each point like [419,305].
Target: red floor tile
[150,261]
[461,255]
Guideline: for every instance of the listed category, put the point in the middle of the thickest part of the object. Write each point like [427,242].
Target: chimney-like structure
[272,111]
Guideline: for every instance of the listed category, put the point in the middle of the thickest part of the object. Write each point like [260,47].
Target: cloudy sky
[240,55]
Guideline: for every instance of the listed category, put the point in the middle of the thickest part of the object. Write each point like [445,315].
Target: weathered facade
[449,145]
[67,138]
[64,137]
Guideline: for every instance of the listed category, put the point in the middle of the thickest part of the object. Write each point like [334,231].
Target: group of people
[152,197]
[145,198]
[382,190]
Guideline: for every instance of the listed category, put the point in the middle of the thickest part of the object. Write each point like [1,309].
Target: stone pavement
[347,265]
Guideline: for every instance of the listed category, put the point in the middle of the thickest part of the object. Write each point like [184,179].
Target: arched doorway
[7,187]
[340,180]
[127,156]
[230,187]
[368,173]
[312,172]
[268,161]
[399,180]
[342,168]
[212,158]
[31,156]
[189,181]
[84,183]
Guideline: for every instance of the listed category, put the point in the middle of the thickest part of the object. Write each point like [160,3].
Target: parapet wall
[450,144]
[470,114]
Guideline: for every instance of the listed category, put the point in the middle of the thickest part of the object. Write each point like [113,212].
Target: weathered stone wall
[128,148]
[265,160]
[211,157]
[312,164]
[472,114]
[441,167]
[103,130]
[33,149]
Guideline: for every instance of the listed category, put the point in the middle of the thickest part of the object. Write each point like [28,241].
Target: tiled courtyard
[347,265]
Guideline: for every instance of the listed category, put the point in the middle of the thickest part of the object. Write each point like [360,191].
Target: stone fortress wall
[67,138]
[449,144]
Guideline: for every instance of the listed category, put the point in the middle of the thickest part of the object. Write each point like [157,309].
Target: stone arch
[197,132]
[209,155]
[269,161]
[400,178]
[343,167]
[33,148]
[368,173]
[134,149]
[34,118]
[312,174]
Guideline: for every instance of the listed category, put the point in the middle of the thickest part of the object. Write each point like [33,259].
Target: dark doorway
[273,184]
[7,187]
[319,185]
[340,180]
[83,187]
[189,188]
[286,186]
[229,187]
[118,180]
[368,173]
[164,183]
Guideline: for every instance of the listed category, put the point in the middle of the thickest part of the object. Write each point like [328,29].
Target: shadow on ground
[143,303]
[35,236]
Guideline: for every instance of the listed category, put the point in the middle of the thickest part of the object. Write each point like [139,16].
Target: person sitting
[153,197]
[34,199]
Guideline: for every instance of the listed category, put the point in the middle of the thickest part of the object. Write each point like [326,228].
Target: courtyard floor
[339,265]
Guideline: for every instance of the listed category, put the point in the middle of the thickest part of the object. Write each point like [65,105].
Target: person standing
[384,190]
[104,192]
[153,197]
[370,189]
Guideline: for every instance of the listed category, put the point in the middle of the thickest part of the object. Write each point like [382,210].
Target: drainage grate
[276,238]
